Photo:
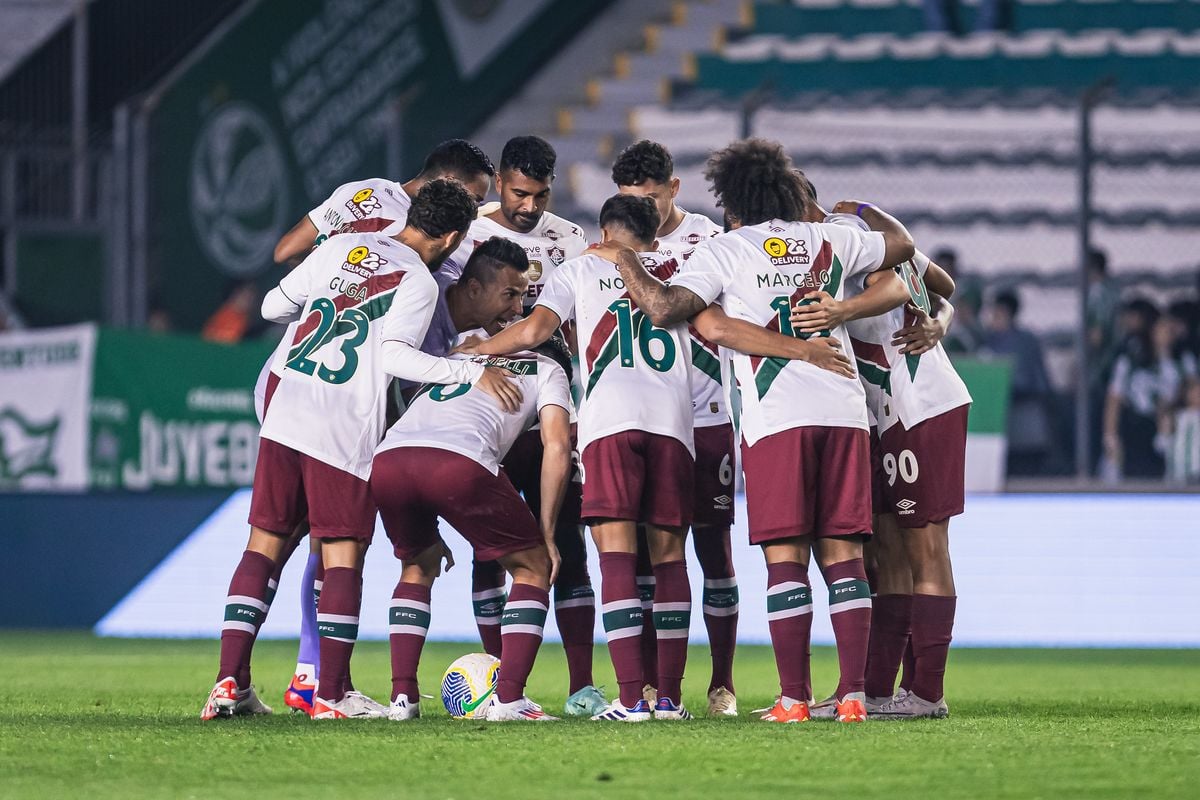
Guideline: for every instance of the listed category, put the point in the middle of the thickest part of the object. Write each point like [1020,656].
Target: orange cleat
[852,708]
[300,693]
[798,712]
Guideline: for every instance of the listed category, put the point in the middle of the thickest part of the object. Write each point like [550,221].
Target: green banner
[292,98]
[988,381]
[173,412]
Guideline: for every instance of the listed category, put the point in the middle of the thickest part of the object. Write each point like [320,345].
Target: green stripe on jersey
[876,375]
[706,363]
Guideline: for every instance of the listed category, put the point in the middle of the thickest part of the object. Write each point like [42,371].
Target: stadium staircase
[973,139]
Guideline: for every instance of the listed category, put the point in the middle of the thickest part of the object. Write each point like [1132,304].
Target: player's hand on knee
[827,354]
[495,381]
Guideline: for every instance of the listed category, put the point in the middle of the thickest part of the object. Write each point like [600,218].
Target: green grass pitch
[94,718]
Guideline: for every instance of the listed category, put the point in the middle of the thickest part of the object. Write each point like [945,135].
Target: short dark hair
[1097,260]
[555,348]
[530,155]
[643,161]
[492,256]
[457,158]
[1008,299]
[442,206]
[638,215]
[754,181]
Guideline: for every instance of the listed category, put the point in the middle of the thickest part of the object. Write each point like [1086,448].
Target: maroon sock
[850,613]
[337,625]
[720,602]
[622,615]
[891,618]
[789,616]
[909,666]
[408,624]
[575,613]
[672,619]
[521,636]
[645,586]
[245,610]
[932,625]
[488,596]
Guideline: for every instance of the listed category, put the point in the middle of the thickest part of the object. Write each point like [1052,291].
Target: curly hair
[492,256]
[638,215]
[442,206]
[754,181]
[532,156]
[643,161]
[457,158]
[555,348]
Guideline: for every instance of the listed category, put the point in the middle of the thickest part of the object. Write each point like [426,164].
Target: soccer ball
[469,685]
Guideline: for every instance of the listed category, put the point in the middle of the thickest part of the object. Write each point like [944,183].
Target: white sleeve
[285,302]
[553,387]
[701,274]
[576,247]
[558,293]
[328,215]
[860,251]
[1120,377]
[404,328]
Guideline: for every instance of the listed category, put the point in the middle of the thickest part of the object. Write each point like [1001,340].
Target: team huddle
[487,367]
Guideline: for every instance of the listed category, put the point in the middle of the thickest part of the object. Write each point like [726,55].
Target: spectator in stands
[232,321]
[1183,458]
[1147,388]
[1103,340]
[966,335]
[1029,434]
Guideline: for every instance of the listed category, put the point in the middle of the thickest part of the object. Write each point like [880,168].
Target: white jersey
[359,200]
[552,241]
[468,421]
[757,274]
[901,388]
[635,376]
[708,393]
[358,291]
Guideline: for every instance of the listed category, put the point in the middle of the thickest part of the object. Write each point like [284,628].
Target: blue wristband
[861,206]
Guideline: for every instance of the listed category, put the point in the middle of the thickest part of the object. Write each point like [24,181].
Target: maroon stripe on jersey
[822,262]
[869,351]
[372,286]
[368,225]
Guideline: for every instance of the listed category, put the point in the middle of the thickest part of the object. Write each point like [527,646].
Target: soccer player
[525,182]
[635,433]
[373,204]
[645,169]
[373,198]
[804,432]
[442,459]
[921,406]
[363,303]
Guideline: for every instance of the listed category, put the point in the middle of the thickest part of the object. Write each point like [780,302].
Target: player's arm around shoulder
[898,244]
[721,329]
[664,304]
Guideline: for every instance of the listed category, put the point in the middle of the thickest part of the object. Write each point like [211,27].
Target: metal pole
[118,268]
[139,218]
[1083,412]
[79,111]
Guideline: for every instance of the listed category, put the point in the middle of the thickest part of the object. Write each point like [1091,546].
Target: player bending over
[804,431]
[364,304]
[442,459]
[646,169]
[635,426]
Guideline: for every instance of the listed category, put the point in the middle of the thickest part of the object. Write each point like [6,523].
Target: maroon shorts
[413,486]
[638,476]
[924,469]
[715,466]
[878,479]
[809,481]
[289,486]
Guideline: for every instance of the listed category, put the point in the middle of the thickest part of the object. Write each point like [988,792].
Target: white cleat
[402,709]
[619,713]
[380,709]
[520,710]
[912,707]
[826,709]
[722,703]
[667,710]
[876,704]
[226,700]
[352,706]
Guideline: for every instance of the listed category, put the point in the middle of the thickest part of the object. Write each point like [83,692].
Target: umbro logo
[723,501]
[906,506]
